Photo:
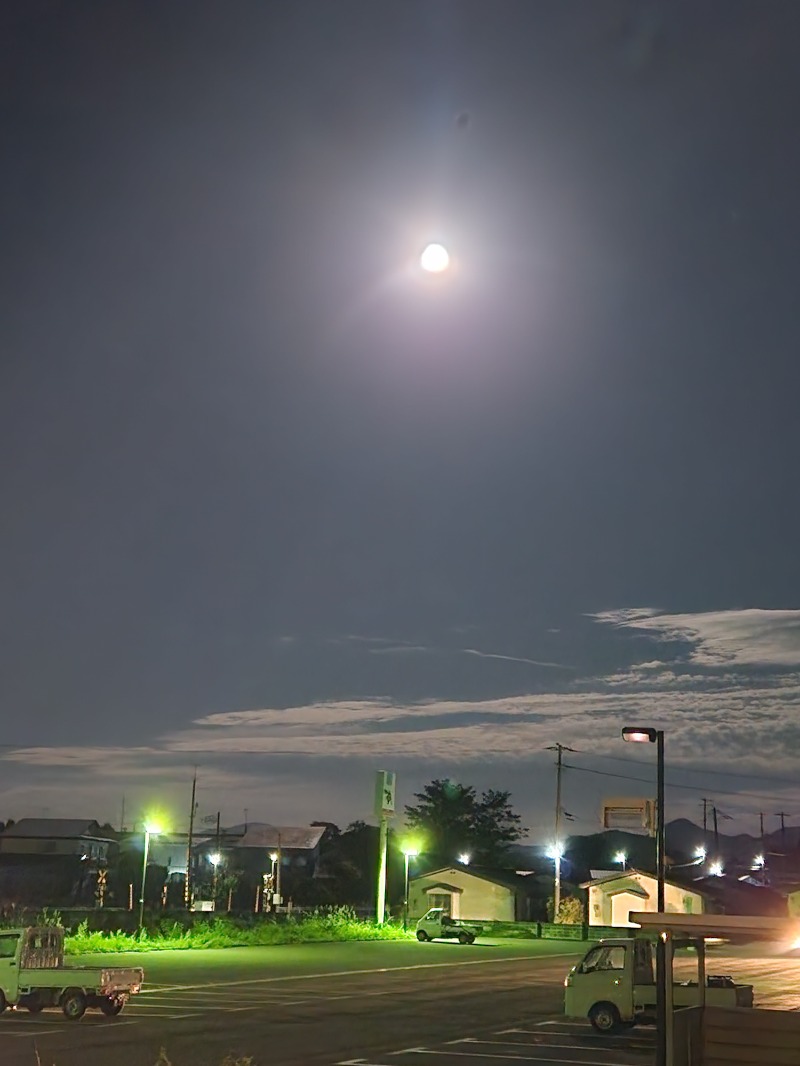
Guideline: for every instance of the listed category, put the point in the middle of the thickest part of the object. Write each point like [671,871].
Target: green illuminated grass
[340,925]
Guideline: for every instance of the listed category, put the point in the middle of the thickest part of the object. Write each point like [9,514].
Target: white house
[613,896]
[472,892]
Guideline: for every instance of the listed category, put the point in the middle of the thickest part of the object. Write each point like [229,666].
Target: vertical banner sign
[385,781]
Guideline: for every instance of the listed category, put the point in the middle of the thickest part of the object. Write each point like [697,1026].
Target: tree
[570,911]
[453,820]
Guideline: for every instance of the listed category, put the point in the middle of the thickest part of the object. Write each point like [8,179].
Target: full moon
[434,259]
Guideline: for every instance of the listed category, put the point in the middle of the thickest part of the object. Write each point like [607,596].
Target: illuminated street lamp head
[700,853]
[621,857]
[215,859]
[758,862]
[715,869]
[639,735]
[555,851]
[152,829]
[411,851]
[464,858]
[274,856]
[434,259]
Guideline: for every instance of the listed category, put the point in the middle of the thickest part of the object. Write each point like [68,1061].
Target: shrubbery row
[337,925]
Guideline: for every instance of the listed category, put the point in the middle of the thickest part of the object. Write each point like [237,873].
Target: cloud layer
[724,685]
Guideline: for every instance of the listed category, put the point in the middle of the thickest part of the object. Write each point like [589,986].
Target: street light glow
[411,851]
[274,856]
[464,858]
[715,869]
[555,851]
[215,859]
[152,829]
[700,854]
[758,862]
[637,735]
[434,259]
[621,857]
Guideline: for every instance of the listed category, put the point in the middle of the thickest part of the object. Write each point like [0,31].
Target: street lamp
[622,858]
[556,852]
[215,860]
[150,830]
[648,735]
[464,858]
[700,854]
[408,854]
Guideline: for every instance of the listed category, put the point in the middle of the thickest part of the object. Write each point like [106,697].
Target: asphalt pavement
[374,1004]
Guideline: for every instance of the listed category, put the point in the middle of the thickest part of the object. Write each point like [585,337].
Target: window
[441,899]
[610,957]
[8,946]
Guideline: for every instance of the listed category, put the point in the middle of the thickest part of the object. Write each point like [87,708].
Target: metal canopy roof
[727,926]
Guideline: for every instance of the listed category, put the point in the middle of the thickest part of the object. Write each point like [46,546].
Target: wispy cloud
[730,687]
[750,637]
[513,658]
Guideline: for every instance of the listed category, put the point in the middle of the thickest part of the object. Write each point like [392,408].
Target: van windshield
[609,957]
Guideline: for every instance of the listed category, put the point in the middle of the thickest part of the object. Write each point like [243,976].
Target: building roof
[264,835]
[506,878]
[623,875]
[56,828]
[737,927]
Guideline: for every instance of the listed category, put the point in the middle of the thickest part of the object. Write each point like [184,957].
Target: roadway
[371,1004]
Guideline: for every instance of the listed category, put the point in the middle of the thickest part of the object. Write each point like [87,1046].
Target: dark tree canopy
[453,820]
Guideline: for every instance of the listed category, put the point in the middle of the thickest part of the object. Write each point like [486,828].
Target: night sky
[279,505]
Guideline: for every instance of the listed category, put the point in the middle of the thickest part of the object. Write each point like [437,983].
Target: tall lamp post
[647,735]
[150,830]
[215,860]
[408,854]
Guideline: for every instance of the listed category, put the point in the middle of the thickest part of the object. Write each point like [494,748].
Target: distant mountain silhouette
[684,837]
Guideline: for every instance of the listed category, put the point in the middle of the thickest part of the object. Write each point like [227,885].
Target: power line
[670,784]
[691,770]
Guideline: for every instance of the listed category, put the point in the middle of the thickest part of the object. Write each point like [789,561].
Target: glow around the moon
[435,259]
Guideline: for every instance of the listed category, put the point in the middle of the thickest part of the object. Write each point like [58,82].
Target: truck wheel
[73,1004]
[422,936]
[605,1018]
[34,1004]
[464,938]
[111,1006]
[3,1003]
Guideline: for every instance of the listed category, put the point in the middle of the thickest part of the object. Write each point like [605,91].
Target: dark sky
[254,461]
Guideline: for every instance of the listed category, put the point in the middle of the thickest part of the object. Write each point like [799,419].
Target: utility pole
[559,749]
[705,821]
[761,824]
[782,816]
[187,885]
[278,872]
[122,817]
[716,830]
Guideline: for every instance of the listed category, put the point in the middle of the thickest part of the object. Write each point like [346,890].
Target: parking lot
[546,1042]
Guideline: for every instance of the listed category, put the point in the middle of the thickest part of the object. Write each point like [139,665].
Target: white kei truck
[33,976]
[614,986]
[436,924]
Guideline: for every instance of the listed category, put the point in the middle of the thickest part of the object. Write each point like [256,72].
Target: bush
[335,925]
[570,911]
